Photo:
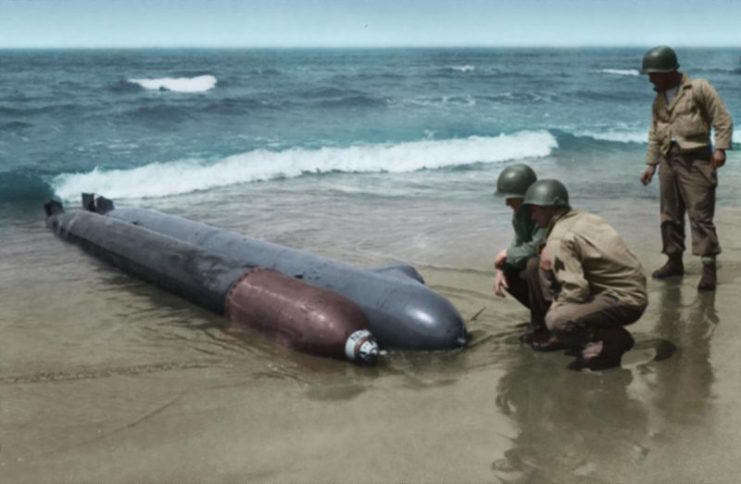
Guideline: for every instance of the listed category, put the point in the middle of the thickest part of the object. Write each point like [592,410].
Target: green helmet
[660,59]
[547,193]
[515,180]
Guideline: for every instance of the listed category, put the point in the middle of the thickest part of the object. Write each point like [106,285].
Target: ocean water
[138,124]
[297,138]
[367,156]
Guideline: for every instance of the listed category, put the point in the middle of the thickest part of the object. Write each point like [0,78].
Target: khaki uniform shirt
[588,257]
[687,120]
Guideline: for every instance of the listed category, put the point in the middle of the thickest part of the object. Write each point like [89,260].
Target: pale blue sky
[338,23]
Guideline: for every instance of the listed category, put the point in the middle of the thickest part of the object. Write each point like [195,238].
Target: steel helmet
[515,180]
[547,193]
[660,59]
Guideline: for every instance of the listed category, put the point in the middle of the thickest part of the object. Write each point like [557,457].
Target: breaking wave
[617,136]
[184,176]
[639,137]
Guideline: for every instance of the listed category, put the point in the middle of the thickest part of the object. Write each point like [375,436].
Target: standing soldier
[517,265]
[597,284]
[683,113]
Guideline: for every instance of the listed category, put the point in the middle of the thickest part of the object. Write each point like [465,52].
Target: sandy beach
[144,387]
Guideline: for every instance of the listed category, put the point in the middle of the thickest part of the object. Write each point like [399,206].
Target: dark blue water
[197,119]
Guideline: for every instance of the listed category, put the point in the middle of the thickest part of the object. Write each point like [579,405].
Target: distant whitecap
[463,68]
[621,72]
[178,84]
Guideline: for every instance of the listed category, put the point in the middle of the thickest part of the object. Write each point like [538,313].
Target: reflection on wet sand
[682,386]
[617,425]
[574,427]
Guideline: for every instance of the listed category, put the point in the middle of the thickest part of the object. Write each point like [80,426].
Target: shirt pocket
[689,123]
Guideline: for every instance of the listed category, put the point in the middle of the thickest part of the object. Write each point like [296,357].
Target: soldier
[517,265]
[596,283]
[683,112]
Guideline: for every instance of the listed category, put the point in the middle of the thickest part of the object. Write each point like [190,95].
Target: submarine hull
[301,316]
[402,312]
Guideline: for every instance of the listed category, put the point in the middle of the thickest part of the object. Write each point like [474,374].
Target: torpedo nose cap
[438,322]
[362,347]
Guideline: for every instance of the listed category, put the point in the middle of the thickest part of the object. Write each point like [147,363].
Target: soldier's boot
[672,267]
[615,343]
[708,280]
[537,332]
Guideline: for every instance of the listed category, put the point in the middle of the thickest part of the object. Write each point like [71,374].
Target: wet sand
[104,379]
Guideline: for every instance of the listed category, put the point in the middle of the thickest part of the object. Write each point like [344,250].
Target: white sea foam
[633,136]
[621,72]
[178,84]
[617,136]
[184,176]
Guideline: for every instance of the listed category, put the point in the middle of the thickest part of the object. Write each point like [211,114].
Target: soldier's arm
[654,142]
[718,115]
[654,151]
[567,267]
[521,250]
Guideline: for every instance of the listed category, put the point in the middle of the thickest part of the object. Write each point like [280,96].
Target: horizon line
[370,46]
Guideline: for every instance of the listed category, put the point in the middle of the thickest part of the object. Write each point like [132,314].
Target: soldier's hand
[500,259]
[648,174]
[545,260]
[719,158]
[500,284]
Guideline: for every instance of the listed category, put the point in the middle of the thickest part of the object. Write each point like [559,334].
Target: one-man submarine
[312,303]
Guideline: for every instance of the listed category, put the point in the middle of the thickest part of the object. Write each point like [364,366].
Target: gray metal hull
[401,311]
[299,315]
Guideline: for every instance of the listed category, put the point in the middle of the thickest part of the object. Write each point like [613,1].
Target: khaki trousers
[575,323]
[687,182]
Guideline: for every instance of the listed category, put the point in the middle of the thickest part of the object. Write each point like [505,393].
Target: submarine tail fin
[53,207]
[88,202]
[101,205]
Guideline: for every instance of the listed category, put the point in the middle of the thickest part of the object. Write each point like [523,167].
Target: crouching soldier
[517,265]
[597,284]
